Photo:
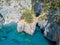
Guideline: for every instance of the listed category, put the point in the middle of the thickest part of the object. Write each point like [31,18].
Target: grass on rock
[27,15]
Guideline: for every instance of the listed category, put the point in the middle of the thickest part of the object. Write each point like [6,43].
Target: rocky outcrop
[50,27]
[12,12]
[2,20]
[28,28]
[13,9]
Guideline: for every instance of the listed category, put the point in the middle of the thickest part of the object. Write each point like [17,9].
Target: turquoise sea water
[9,36]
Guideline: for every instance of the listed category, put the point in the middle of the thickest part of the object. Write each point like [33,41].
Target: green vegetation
[58,19]
[7,0]
[44,17]
[46,7]
[27,15]
[55,4]
[52,5]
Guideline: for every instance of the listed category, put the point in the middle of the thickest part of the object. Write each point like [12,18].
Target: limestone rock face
[26,4]
[42,23]
[13,9]
[28,28]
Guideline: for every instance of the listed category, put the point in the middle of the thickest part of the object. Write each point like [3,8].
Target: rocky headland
[21,12]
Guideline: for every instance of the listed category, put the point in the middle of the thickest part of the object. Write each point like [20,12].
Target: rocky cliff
[12,11]
[21,12]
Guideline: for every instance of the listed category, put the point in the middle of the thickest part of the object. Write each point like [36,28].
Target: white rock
[28,28]
[42,23]
[46,30]
[12,13]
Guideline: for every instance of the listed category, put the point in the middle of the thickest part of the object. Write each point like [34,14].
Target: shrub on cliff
[27,15]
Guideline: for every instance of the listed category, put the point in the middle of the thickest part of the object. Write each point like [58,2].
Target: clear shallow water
[9,36]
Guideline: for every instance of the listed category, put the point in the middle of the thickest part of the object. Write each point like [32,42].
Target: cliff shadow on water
[42,31]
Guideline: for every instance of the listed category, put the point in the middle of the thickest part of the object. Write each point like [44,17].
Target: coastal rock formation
[12,11]
[51,27]
[1,20]
[28,28]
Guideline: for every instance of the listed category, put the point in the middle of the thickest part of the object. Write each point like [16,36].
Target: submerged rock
[3,38]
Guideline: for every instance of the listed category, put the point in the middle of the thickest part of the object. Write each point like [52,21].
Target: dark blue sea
[10,36]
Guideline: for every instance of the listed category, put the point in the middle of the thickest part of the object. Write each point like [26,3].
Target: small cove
[15,38]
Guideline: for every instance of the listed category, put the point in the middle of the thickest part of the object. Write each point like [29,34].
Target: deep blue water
[9,36]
